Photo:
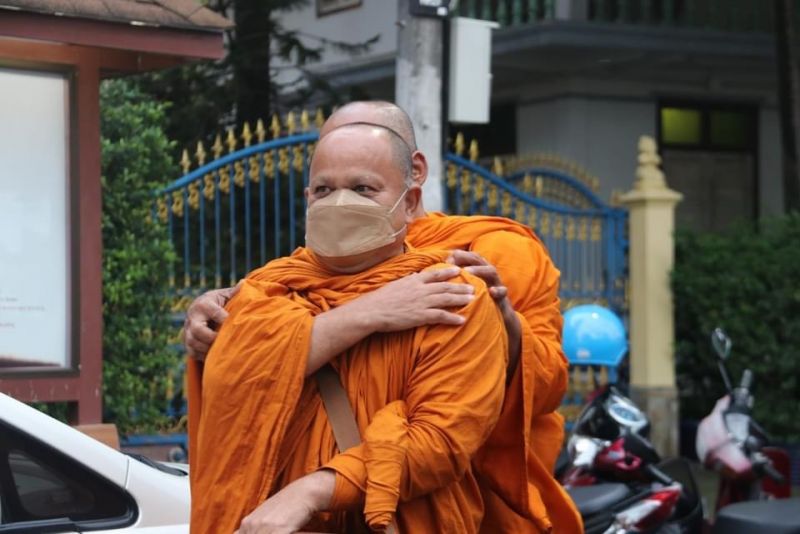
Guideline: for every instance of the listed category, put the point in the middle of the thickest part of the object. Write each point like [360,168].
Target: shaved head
[377,112]
[401,153]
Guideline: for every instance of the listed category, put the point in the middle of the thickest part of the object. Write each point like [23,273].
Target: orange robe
[424,399]
[529,431]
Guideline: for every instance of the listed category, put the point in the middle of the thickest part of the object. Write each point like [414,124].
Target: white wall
[770,187]
[34,218]
[355,25]
[599,134]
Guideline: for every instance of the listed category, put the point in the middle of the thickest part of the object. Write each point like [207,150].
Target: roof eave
[191,44]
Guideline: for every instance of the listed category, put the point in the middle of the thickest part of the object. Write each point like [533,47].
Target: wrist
[319,486]
[363,320]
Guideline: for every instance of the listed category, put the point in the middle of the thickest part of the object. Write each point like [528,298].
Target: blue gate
[585,237]
[243,208]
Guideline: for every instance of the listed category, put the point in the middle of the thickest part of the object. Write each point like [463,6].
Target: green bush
[747,282]
[136,255]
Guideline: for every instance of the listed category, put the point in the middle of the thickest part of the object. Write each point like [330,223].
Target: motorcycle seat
[779,516]
[597,498]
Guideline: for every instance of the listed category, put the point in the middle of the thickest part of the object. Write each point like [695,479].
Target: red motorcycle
[753,484]
[617,479]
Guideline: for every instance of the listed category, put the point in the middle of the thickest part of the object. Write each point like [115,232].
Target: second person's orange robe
[530,432]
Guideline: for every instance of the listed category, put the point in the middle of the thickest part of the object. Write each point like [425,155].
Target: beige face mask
[346,224]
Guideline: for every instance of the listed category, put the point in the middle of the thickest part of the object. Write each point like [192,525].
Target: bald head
[377,112]
[373,133]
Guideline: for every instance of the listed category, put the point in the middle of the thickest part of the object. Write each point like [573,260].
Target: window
[42,490]
[681,126]
[707,126]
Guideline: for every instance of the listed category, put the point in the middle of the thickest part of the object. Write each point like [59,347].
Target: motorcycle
[753,485]
[616,477]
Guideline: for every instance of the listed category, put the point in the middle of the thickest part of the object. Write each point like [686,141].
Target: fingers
[464,258]
[449,300]
[198,337]
[449,287]
[443,317]
[487,273]
[498,293]
[439,275]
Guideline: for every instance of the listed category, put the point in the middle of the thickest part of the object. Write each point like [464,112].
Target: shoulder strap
[340,415]
[337,405]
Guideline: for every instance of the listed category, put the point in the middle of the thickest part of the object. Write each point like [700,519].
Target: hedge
[748,282]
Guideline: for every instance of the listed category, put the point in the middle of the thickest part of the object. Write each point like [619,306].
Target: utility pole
[418,90]
[788,93]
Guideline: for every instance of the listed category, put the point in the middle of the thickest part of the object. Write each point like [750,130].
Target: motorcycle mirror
[721,343]
[722,346]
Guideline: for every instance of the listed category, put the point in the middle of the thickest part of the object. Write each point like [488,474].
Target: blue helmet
[594,335]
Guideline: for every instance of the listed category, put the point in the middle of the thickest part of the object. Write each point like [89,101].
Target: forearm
[334,332]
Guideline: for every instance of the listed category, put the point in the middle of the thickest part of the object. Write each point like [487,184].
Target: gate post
[651,206]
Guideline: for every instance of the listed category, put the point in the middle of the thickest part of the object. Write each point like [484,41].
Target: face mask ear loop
[394,207]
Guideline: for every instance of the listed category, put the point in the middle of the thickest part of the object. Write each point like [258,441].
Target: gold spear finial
[185,162]
[247,135]
[275,126]
[319,118]
[200,154]
[230,141]
[291,125]
[473,150]
[459,145]
[217,147]
[305,122]
[261,133]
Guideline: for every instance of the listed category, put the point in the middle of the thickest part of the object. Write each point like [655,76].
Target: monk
[264,458]
[524,283]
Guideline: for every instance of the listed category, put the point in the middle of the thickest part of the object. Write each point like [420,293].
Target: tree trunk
[250,60]
[788,87]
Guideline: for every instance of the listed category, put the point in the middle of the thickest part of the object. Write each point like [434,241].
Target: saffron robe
[530,432]
[424,399]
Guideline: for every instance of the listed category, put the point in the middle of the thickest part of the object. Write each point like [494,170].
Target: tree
[137,360]
[244,86]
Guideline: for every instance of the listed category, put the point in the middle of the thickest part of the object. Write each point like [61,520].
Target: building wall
[355,25]
[600,134]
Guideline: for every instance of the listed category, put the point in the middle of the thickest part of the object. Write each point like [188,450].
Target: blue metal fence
[585,237]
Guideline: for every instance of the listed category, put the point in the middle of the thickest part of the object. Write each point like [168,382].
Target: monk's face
[377,114]
[361,159]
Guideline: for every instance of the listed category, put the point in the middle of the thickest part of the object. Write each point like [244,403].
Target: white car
[55,479]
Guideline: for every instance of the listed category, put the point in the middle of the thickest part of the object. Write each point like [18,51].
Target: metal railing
[585,237]
[732,15]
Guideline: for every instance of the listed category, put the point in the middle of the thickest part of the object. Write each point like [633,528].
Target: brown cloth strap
[340,415]
[337,406]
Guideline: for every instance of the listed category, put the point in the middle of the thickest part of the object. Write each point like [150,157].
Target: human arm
[290,509]
[452,399]
[415,300]
[203,318]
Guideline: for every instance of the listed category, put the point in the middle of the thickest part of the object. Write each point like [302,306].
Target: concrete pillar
[418,90]
[651,206]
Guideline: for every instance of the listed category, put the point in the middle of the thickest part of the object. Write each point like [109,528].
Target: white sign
[34,220]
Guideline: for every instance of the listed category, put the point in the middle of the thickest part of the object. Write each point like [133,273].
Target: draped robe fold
[424,399]
[529,432]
